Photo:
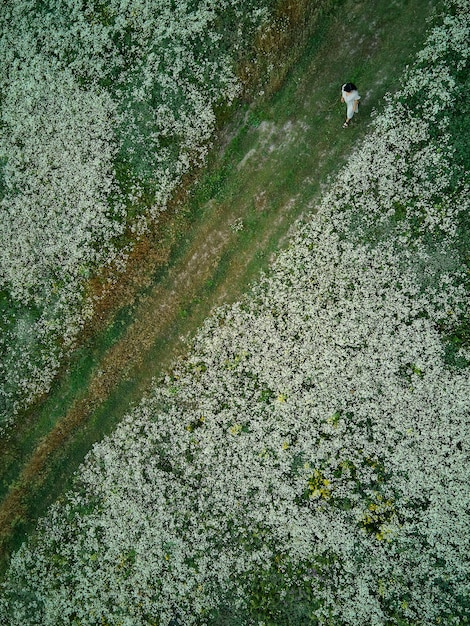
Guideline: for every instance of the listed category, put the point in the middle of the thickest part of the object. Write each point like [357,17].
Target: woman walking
[350,95]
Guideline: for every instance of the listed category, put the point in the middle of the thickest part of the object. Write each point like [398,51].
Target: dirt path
[273,167]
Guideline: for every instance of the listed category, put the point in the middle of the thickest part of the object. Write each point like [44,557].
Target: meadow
[105,107]
[306,461]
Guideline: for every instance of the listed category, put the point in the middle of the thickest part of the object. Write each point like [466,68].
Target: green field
[270,157]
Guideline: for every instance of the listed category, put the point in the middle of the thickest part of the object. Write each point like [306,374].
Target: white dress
[350,98]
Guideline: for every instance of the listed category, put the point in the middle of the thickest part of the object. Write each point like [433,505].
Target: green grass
[296,141]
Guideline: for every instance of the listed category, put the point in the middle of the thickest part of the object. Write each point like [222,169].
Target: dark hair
[350,87]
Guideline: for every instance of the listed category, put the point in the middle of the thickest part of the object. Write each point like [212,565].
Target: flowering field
[104,107]
[308,462]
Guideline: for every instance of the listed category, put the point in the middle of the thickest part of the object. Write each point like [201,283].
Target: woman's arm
[356,103]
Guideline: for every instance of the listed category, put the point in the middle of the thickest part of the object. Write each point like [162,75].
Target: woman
[350,95]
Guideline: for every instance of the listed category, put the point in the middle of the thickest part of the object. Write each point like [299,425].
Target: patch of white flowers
[311,454]
[58,175]
[102,104]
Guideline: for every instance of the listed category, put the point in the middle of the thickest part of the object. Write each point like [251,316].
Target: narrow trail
[282,157]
